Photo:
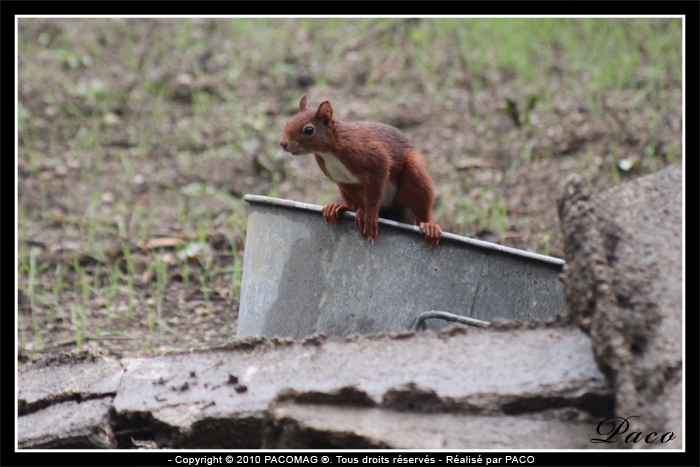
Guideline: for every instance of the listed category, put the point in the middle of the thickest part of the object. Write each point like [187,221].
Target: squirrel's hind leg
[416,193]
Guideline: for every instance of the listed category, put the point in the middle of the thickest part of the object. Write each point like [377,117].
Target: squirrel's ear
[302,103]
[325,112]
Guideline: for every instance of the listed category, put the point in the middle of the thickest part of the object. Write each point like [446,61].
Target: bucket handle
[451,317]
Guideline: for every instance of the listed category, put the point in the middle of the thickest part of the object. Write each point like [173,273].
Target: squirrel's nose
[283,144]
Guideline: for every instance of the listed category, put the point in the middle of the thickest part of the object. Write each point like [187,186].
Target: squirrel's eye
[309,130]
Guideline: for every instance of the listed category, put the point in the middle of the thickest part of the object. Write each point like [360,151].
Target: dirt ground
[138,139]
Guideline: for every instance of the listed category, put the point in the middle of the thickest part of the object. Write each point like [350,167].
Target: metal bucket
[302,276]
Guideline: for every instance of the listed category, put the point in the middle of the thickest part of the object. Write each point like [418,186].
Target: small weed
[544,244]
[274,191]
[24,118]
[151,327]
[186,272]
[524,118]
[161,280]
[499,217]
[237,270]
[671,153]
[130,273]
[98,332]
[590,160]
[79,320]
[204,288]
[32,295]
[614,150]
[57,280]
[127,166]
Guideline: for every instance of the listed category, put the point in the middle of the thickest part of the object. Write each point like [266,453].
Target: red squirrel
[375,166]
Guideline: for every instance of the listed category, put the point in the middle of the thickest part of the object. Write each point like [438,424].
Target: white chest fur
[388,194]
[338,172]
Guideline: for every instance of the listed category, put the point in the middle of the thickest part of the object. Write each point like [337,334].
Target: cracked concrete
[226,397]
[91,375]
[312,426]
[68,425]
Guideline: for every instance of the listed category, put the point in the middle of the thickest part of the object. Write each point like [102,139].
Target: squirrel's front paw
[432,233]
[331,211]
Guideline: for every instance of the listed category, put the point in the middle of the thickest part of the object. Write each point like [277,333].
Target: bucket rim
[297,205]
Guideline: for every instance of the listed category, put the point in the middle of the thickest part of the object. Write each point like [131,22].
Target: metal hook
[451,317]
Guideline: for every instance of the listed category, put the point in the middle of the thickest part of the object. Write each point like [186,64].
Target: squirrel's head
[310,130]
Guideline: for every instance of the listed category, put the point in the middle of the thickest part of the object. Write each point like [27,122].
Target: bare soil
[114,146]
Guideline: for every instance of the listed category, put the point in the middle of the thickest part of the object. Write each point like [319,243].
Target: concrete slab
[476,371]
[75,375]
[68,425]
[307,426]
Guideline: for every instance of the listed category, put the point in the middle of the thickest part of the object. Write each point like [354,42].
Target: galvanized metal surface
[302,276]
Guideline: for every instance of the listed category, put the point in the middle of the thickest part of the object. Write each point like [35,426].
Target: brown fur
[363,159]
